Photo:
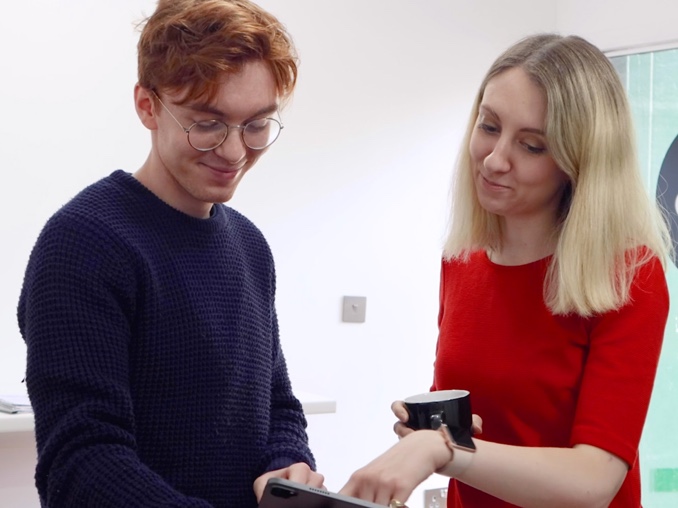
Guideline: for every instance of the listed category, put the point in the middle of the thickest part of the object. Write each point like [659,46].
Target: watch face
[456,437]
[667,191]
[462,438]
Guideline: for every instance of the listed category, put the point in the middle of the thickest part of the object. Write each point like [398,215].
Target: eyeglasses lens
[257,134]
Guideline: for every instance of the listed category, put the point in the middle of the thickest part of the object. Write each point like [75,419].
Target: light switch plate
[354,309]
[435,498]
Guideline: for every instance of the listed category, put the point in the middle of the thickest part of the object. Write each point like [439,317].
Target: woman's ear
[144,102]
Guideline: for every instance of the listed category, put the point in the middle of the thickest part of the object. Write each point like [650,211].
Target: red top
[542,380]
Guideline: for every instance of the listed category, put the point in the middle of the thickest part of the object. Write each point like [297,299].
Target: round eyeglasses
[207,135]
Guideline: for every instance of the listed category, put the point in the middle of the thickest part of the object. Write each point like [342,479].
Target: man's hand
[299,472]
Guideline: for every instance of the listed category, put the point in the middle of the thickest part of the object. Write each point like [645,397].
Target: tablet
[281,493]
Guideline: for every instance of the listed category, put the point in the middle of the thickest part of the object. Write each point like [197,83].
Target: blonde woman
[553,294]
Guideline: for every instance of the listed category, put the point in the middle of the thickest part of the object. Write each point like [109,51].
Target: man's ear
[144,102]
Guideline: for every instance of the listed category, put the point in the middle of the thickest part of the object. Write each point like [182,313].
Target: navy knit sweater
[154,366]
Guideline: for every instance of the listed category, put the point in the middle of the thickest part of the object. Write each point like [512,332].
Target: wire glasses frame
[208,135]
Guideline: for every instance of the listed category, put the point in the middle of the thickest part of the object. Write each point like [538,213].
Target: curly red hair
[189,45]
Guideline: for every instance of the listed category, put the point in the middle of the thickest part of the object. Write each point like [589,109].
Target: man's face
[186,178]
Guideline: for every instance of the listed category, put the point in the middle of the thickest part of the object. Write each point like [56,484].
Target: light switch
[354,309]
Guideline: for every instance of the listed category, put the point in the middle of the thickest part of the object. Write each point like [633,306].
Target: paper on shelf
[15,404]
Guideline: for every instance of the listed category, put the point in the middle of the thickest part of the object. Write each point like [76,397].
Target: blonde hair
[608,226]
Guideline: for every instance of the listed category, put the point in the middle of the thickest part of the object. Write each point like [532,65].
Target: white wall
[352,198]
[620,25]
[67,120]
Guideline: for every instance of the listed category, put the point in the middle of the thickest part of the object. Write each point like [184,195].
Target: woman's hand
[299,472]
[400,412]
[402,430]
[396,473]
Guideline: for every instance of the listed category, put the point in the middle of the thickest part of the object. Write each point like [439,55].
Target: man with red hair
[154,363]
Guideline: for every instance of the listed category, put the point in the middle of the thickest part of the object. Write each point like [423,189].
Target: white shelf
[18,422]
[315,404]
[312,404]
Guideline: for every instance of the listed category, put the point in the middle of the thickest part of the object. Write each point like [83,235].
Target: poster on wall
[652,87]
[667,192]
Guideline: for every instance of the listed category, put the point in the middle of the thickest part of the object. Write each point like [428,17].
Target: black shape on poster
[667,192]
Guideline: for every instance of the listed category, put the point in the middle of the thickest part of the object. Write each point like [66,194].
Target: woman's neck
[524,243]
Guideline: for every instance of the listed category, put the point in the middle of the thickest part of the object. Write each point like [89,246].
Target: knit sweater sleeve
[77,294]
[288,441]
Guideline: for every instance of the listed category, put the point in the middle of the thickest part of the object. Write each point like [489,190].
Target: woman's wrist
[461,456]
[439,451]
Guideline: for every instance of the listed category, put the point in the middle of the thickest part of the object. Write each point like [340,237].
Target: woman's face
[514,174]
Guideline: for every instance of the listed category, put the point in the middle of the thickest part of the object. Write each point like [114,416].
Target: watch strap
[462,456]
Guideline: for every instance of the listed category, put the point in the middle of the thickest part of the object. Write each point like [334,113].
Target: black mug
[450,407]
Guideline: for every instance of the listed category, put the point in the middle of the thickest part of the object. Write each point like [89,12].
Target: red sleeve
[620,369]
